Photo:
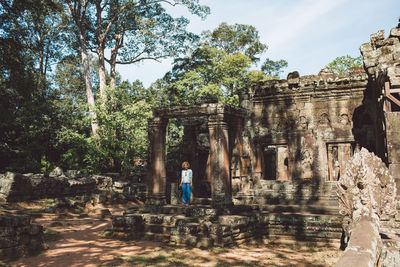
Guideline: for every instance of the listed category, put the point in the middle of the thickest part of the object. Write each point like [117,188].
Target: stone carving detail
[302,123]
[324,119]
[366,188]
[344,119]
[306,162]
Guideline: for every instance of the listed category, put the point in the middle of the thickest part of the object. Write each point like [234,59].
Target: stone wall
[18,237]
[302,130]
[382,63]
[22,187]
[204,226]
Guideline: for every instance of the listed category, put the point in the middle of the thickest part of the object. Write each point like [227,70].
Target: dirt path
[77,240]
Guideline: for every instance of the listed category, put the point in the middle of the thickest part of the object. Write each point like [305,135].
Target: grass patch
[107,233]
[51,235]
[142,260]
[165,259]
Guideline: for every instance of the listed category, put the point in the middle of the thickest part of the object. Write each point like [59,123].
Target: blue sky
[307,33]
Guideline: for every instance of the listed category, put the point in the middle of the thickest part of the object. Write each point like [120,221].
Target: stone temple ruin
[274,166]
[270,167]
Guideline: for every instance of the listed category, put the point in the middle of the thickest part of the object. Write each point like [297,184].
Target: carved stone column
[221,188]
[156,176]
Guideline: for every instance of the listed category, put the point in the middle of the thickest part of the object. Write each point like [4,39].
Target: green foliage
[46,165]
[220,67]
[343,64]
[123,125]
[208,73]
[122,135]
[273,68]
[45,116]
[237,38]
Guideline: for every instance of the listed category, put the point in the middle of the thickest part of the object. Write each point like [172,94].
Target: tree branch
[142,58]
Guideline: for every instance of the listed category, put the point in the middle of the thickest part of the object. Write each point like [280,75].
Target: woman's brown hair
[184,164]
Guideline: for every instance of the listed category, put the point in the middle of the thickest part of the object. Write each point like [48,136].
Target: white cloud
[297,20]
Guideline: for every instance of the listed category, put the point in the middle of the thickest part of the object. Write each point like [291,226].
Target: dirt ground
[81,240]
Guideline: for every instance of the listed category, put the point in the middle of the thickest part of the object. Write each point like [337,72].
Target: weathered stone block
[18,237]
[393,145]
[364,246]
[380,35]
[392,121]
[395,32]
[367,47]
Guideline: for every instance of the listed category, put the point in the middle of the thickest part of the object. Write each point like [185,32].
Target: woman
[186,182]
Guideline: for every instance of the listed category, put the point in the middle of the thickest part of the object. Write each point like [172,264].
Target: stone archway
[221,119]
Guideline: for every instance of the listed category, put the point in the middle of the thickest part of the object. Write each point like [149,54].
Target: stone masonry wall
[305,128]
[22,187]
[382,62]
[18,237]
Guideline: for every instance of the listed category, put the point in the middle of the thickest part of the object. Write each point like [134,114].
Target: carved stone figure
[366,188]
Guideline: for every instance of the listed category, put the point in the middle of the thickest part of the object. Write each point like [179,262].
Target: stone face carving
[366,188]
[305,163]
[344,119]
[302,123]
[324,119]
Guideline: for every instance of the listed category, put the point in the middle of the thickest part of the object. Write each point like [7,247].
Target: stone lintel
[206,109]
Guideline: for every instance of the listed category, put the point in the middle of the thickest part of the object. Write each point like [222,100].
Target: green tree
[343,64]
[209,72]
[237,38]
[273,68]
[133,30]
[26,43]
[219,67]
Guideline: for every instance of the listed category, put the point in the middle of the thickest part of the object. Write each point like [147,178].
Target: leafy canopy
[220,66]
[343,64]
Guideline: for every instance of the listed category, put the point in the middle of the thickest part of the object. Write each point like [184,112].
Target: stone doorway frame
[221,119]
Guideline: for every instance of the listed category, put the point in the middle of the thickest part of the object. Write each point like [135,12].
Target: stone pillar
[259,166]
[156,179]
[221,187]
[393,145]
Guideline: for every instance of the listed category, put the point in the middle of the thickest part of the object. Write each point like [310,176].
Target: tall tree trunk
[100,52]
[113,63]
[119,40]
[102,71]
[88,83]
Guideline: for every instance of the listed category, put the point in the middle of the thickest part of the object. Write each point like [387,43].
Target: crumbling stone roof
[325,81]
[382,57]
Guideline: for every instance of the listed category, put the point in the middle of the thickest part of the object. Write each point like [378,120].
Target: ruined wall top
[382,57]
[325,82]
[199,110]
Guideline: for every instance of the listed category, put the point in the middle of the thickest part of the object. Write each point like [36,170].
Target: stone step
[279,201]
[302,216]
[166,219]
[165,238]
[158,228]
[201,201]
[313,209]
